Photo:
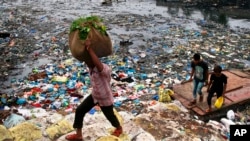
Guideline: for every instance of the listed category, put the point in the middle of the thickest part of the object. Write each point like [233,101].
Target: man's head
[217,70]
[196,58]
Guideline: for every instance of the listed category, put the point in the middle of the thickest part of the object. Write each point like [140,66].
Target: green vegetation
[84,24]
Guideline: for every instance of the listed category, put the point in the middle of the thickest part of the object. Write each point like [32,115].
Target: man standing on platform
[200,73]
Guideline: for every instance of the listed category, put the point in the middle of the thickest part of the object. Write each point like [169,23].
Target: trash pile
[161,121]
[41,84]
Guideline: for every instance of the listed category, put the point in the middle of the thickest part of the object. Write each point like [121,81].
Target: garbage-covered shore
[41,83]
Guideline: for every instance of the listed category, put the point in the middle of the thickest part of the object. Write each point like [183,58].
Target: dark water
[233,18]
[65,9]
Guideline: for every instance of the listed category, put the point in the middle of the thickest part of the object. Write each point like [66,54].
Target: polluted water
[153,43]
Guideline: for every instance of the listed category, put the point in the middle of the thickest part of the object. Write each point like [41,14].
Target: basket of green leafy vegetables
[89,28]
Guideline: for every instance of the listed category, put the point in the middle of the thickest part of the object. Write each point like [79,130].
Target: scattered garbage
[43,83]
[5,134]
[26,131]
[13,120]
[58,129]
[165,94]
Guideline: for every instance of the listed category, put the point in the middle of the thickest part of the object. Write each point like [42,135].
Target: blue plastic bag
[21,101]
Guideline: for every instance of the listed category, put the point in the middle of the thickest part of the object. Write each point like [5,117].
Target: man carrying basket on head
[100,76]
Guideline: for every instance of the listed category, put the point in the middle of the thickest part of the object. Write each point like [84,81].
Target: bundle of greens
[84,24]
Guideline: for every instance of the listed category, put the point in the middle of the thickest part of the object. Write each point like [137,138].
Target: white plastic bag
[227,123]
[231,115]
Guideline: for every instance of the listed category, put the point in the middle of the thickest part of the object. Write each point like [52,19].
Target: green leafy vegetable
[84,24]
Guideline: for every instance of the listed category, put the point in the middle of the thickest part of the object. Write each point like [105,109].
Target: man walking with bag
[100,76]
[200,73]
[217,84]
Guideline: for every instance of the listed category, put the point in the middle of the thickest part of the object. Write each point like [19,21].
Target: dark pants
[86,106]
[211,94]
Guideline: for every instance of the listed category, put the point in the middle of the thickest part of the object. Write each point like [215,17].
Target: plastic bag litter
[96,130]
[68,62]
[109,138]
[49,87]
[21,101]
[58,129]
[26,132]
[219,101]
[144,136]
[39,112]
[126,116]
[54,118]
[173,107]
[62,79]
[119,117]
[227,123]
[57,104]
[231,115]
[139,87]
[7,108]
[5,134]
[165,94]
[178,103]
[158,106]
[122,137]
[99,116]
[216,125]
[13,120]
[25,112]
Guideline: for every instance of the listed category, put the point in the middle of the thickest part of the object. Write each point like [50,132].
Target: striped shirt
[100,81]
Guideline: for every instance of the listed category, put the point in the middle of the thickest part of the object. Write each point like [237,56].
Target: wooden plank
[199,111]
[240,73]
[239,95]
[234,82]
[238,91]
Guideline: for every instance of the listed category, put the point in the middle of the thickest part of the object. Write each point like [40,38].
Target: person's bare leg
[209,109]
[79,132]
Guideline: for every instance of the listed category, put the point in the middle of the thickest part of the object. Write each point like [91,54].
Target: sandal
[208,110]
[118,131]
[192,103]
[73,137]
